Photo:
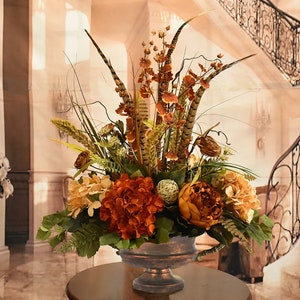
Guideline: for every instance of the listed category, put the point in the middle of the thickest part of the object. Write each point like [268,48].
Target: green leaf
[42,234]
[254,231]
[162,235]
[262,231]
[56,240]
[136,174]
[149,123]
[72,225]
[213,249]
[267,221]
[50,221]
[44,229]
[72,146]
[138,242]
[85,239]
[53,223]
[164,223]
[255,218]
[110,238]
[92,248]
[135,170]
[219,233]
[123,244]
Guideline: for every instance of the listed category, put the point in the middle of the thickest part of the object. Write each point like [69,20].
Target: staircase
[276,32]
[281,279]
[281,275]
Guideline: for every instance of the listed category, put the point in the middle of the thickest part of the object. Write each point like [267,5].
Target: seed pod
[208,146]
[82,159]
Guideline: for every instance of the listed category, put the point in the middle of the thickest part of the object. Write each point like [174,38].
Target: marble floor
[43,276]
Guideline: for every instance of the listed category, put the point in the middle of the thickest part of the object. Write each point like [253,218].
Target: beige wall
[57,30]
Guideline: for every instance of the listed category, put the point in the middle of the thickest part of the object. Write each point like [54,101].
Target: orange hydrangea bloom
[130,207]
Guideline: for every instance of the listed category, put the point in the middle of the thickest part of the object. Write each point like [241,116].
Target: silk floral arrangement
[150,179]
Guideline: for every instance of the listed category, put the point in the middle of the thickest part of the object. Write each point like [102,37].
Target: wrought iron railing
[283,202]
[274,31]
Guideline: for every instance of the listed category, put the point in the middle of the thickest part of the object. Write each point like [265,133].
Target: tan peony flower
[200,204]
[241,196]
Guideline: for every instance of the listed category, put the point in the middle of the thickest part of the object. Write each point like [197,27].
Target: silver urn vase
[158,260]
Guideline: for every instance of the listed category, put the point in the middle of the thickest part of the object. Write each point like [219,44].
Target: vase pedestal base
[157,261]
[160,281]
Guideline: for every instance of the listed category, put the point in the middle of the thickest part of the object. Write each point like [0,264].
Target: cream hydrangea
[241,196]
[87,193]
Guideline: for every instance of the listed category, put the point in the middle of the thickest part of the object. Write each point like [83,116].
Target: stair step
[260,291]
[290,280]
[287,289]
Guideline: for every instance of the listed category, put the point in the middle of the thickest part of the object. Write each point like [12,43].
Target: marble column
[4,252]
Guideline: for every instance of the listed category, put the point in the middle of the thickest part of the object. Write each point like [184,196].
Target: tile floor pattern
[34,276]
[44,276]
[40,276]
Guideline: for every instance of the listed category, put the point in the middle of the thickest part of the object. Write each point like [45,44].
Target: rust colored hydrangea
[200,204]
[130,207]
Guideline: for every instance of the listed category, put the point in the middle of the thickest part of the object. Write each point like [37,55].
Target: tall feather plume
[131,104]
[123,91]
[191,115]
[142,128]
[163,84]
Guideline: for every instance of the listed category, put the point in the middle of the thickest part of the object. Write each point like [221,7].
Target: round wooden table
[114,282]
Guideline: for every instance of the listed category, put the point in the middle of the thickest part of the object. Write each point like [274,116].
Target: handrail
[274,31]
[283,202]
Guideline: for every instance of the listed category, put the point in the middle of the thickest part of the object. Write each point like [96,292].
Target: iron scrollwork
[274,31]
[283,202]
